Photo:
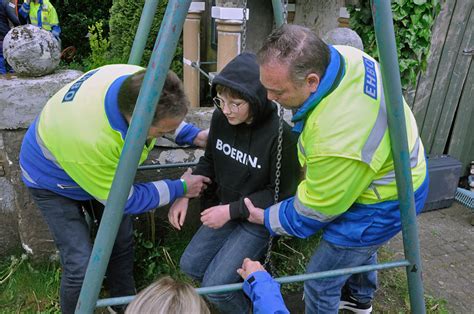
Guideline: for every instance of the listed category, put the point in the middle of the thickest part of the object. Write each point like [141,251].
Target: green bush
[75,17]
[124,20]
[412,22]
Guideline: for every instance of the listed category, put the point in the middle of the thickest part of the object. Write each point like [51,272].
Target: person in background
[241,160]
[41,13]
[349,189]
[7,17]
[70,154]
[168,296]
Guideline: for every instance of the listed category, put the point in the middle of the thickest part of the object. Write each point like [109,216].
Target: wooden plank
[456,83]
[445,70]
[427,78]
[461,144]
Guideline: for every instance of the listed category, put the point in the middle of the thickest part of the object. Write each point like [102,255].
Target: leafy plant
[413,21]
[124,19]
[99,47]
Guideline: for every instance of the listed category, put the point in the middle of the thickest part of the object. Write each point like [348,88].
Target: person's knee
[187,266]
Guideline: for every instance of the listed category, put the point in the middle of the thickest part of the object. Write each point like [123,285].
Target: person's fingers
[205,179]
[245,262]
[189,171]
[249,204]
[240,271]
[175,220]
[182,217]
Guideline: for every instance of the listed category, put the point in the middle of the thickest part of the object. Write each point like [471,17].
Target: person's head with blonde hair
[167,296]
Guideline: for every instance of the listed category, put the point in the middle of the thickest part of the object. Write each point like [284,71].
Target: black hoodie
[241,159]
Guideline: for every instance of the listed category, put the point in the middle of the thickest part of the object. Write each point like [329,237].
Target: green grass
[392,294]
[26,287]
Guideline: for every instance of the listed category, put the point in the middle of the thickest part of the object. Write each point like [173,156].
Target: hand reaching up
[249,267]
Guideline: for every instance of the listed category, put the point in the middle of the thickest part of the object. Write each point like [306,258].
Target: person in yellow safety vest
[349,190]
[42,14]
[69,157]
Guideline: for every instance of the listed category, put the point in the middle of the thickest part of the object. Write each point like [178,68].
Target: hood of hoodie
[243,75]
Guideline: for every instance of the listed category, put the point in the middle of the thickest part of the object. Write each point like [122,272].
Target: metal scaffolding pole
[385,36]
[143,30]
[150,92]
[278,14]
[283,280]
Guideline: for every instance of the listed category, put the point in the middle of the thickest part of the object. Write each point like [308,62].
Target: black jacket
[7,13]
[241,159]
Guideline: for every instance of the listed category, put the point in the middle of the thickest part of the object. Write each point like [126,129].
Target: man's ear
[312,81]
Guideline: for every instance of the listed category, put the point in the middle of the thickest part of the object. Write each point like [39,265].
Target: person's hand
[216,216]
[195,183]
[255,214]
[177,212]
[201,138]
[249,267]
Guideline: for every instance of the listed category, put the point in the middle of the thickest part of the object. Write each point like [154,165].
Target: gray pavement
[447,250]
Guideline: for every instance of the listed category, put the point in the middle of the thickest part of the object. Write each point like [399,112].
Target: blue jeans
[4,66]
[323,295]
[68,226]
[214,255]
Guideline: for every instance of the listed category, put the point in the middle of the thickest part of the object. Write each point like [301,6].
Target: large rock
[343,36]
[22,98]
[31,51]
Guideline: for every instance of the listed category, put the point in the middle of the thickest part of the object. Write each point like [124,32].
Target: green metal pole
[385,36]
[283,280]
[143,30]
[150,91]
[278,13]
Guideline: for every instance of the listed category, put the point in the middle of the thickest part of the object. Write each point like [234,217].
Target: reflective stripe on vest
[389,177]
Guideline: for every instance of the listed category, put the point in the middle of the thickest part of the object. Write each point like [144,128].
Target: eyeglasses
[219,103]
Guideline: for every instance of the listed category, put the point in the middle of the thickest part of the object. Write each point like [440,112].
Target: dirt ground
[447,250]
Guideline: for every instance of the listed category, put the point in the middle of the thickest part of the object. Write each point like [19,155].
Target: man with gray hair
[349,190]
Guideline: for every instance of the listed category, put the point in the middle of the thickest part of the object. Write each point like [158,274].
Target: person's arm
[54,21]
[10,10]
[331,186]
[189,134]
[288,177]
[24,10]
[260,287]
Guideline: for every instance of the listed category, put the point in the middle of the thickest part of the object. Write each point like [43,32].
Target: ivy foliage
[413,20]
[124,20]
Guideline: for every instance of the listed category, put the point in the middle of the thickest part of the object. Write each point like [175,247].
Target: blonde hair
[167,296]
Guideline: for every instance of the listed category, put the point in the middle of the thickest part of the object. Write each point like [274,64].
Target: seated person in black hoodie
[240,159]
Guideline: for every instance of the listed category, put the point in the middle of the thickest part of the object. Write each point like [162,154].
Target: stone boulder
[343,36]
[31,51]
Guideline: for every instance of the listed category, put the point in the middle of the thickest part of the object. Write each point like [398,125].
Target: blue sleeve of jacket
[10,11]
[264,293]
[56,31]
[147,196]
[186,133]
[284,219]
[24,10]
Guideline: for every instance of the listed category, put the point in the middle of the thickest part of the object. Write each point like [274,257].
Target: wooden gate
[443,101]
